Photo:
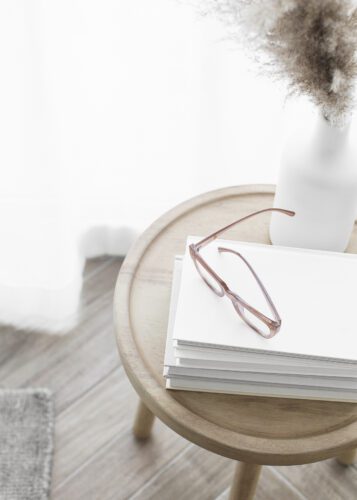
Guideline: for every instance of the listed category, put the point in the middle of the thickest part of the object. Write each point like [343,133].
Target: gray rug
[26,444]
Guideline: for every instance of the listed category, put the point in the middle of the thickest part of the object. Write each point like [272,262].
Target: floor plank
[123,466]
[322,480]
[271,486]
[194,474]
[69,364]
[89,424]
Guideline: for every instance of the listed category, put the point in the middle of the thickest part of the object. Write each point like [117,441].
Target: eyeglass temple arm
[213,236]
[264,290]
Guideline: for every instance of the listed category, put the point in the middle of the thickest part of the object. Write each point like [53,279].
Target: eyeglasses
[259,322]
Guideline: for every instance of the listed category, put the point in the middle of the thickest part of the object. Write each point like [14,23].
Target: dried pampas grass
[310,43]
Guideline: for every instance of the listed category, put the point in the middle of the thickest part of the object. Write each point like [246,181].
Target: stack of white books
[314,355]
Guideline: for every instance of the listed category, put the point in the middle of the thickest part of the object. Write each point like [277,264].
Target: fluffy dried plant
[310,43]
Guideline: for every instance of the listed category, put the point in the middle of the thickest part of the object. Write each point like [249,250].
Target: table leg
[143,423]
[348,457]
[245,481]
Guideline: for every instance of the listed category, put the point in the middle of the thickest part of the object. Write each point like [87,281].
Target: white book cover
[314,292]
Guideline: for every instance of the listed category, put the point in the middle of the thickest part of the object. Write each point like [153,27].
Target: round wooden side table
[255,431]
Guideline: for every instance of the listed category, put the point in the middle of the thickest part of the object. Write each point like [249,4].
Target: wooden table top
[252,429]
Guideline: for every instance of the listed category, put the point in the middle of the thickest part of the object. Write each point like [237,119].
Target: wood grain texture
[323,480]
[144,420]
[122,466]
[252,429]
[96,455]
[348,457]
[245,481]
[271,486]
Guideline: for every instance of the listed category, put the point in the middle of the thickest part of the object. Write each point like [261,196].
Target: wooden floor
[96,455]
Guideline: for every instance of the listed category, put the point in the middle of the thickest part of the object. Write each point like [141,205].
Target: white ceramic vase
[318,180]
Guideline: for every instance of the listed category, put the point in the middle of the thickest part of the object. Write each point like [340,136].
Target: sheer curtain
[113,111]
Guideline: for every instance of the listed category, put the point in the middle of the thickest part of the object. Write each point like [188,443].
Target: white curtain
[113,111]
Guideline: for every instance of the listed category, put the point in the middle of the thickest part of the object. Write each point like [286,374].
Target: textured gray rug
[26,444]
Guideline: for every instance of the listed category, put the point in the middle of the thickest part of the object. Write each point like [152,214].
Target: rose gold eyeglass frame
[222,289]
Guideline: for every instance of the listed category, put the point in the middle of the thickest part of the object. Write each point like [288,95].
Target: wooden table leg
[143,423]
[245,481]
[348,457]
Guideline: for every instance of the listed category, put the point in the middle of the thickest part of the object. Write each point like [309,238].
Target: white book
[242,360]
[314,292]
[260,390]
[198,352]
[290,380]
[283,368]
[213,380]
